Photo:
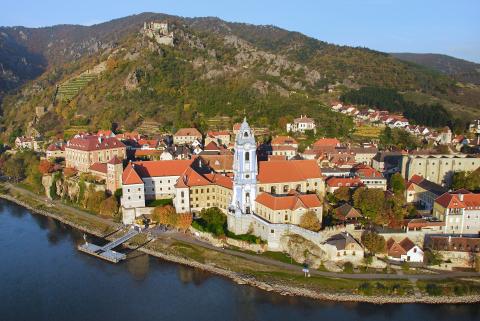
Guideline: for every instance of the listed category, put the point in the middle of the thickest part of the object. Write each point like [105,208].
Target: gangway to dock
[106,252]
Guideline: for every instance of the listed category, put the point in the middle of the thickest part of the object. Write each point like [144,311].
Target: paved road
[257,258]
[58,204]
[291,267]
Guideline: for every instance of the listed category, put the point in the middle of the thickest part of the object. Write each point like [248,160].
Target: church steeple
[245,171]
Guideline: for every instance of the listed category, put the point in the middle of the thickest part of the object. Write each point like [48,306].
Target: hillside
[459,69]
[115,72]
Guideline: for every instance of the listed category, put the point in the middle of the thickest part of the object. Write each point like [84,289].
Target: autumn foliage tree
[45,166]
[310,221]
[109,206]
[165,215]
[184,220]
[373,242]
[342,194]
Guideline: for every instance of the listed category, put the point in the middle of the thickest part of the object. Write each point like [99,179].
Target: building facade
[83,151]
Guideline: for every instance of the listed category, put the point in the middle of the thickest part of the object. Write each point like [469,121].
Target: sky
[449,27]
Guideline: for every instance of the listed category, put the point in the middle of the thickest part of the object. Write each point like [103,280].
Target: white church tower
[245,169]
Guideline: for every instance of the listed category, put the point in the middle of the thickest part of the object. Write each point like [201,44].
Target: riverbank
[238,269]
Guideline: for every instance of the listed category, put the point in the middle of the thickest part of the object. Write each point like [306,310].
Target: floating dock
[106,252]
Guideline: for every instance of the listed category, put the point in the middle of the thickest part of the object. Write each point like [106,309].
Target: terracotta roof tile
[287,171]
[291,202]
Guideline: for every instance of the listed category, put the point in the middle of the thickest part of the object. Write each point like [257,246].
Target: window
[247,156]
[245,134]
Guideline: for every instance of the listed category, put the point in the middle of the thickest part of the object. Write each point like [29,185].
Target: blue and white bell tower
[245,169]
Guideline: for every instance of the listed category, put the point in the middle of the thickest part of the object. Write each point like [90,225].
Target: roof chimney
[460,196]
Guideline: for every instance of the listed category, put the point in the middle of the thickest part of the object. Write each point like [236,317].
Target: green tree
[342,194]
[371,202]
[397,184]
[373,242]
[14,169]
[214,220]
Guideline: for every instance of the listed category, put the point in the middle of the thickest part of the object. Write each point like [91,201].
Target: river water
[44,277]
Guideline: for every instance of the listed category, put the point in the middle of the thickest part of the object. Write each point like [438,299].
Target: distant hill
[461,70]
[114,72]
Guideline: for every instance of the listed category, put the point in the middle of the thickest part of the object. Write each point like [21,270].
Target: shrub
[433,289]
[310,221]
[365,288]
[165,215]
[348,267]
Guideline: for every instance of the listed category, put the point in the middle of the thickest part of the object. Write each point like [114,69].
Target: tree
[165,215]
[13,169]
[371,202]
[45,166]
[342,194]
[466,180]
[397,183]
[94,199]
[310,221]
[109,206]
[184,220]
[214,220]
[373,242]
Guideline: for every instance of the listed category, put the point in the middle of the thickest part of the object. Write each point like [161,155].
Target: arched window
[247,156]
[245,134]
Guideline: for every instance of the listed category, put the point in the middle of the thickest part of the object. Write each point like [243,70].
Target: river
[44,277]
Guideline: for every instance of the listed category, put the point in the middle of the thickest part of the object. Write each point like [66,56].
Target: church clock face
[247,146]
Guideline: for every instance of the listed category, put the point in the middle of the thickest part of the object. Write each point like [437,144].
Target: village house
[55,151]
[83,151]
[280,177]
[346,213]
[221,137]
[343,247]
[460,211]
[461,251]
[187,136]
[300,125]
[422,192]
[404,251]
[334,183]
[110,172]
[370,177]
[32,143]
[287,209]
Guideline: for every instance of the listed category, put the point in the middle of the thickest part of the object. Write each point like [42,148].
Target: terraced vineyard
[72,87]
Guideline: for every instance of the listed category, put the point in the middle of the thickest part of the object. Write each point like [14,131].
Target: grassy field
[367,132]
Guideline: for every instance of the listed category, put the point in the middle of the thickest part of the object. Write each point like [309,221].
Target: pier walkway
[106,252]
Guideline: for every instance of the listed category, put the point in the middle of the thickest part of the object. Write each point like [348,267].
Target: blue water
[44,277]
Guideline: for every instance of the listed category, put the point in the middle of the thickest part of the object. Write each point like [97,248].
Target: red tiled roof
[291,202]
[287,171]
[188,132]
[99,167]
[93,142]
[212,146]
[283,140]
[162,168]
[344,181]
[115,160]
[365,171]
[219,162]
[147,152]
[326,142]
[130,176]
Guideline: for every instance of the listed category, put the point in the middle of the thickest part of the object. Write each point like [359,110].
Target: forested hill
[462,70]
[113,72]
